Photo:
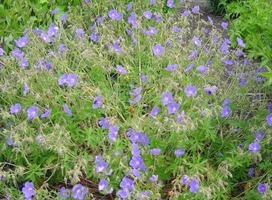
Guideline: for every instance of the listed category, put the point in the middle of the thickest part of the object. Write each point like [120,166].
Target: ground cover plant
[133,100]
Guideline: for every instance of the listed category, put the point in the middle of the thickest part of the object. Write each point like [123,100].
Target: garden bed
[133,101]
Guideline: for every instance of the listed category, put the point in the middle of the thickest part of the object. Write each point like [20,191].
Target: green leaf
[43,1]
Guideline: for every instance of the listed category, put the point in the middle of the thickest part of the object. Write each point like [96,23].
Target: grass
[133,155]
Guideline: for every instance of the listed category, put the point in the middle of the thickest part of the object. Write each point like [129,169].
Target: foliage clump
[132,101]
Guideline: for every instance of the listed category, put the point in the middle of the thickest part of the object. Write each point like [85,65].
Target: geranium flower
[79,191]
[14,109]
[28,190]
[158,50]
[32,112]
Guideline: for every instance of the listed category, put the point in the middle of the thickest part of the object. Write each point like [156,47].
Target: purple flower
[202,70]
[46,113]
[52,30]
[254,147]
[133,137]
[113,131]
[152,2]
[62,48]
[251,172]
[214,38]
[136,99]
[155,151]
[136,91]
[120,69]
[185,179]
[224,25]
[71,80]
[63,17]
[14,109]
[32,112]
[101,166]
[129,32]
[152,31]
[9,142]
[173,107]
[104,123]
[227,62]
[143,139]
[176,29]
[103,184]
[158,50]
[170,3]
[179,152]
[143,195]
[270,107]
[240,42]
[80,33]
[47,65]
[127,184]
[189,67]
[23,63]
[153,178]
[172,67]
[239,53]
[154,111]
[135,151]
[55,11]
[261,188]
[79,191]
[1,52]
[129,6]
[196,41]
[21,42]
[62,79]
[181,116]
[45,37]
[40,138]
[147,14]
[226,102]
[64,193]
[194,185]
[259,135]
[186,13]
[100,19]
[136,162]
[97,101]
[195,9]
[157,17]
[132,19]
[66,109]
[135,172]
[17,53]
[210,20]
[190,91]
[123,193]
[226,111]
[211,90]
[143,77]
[28,190]
[269,119]
[167,98]
[94,37]
[224,48]
[113,14]
[193,54]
